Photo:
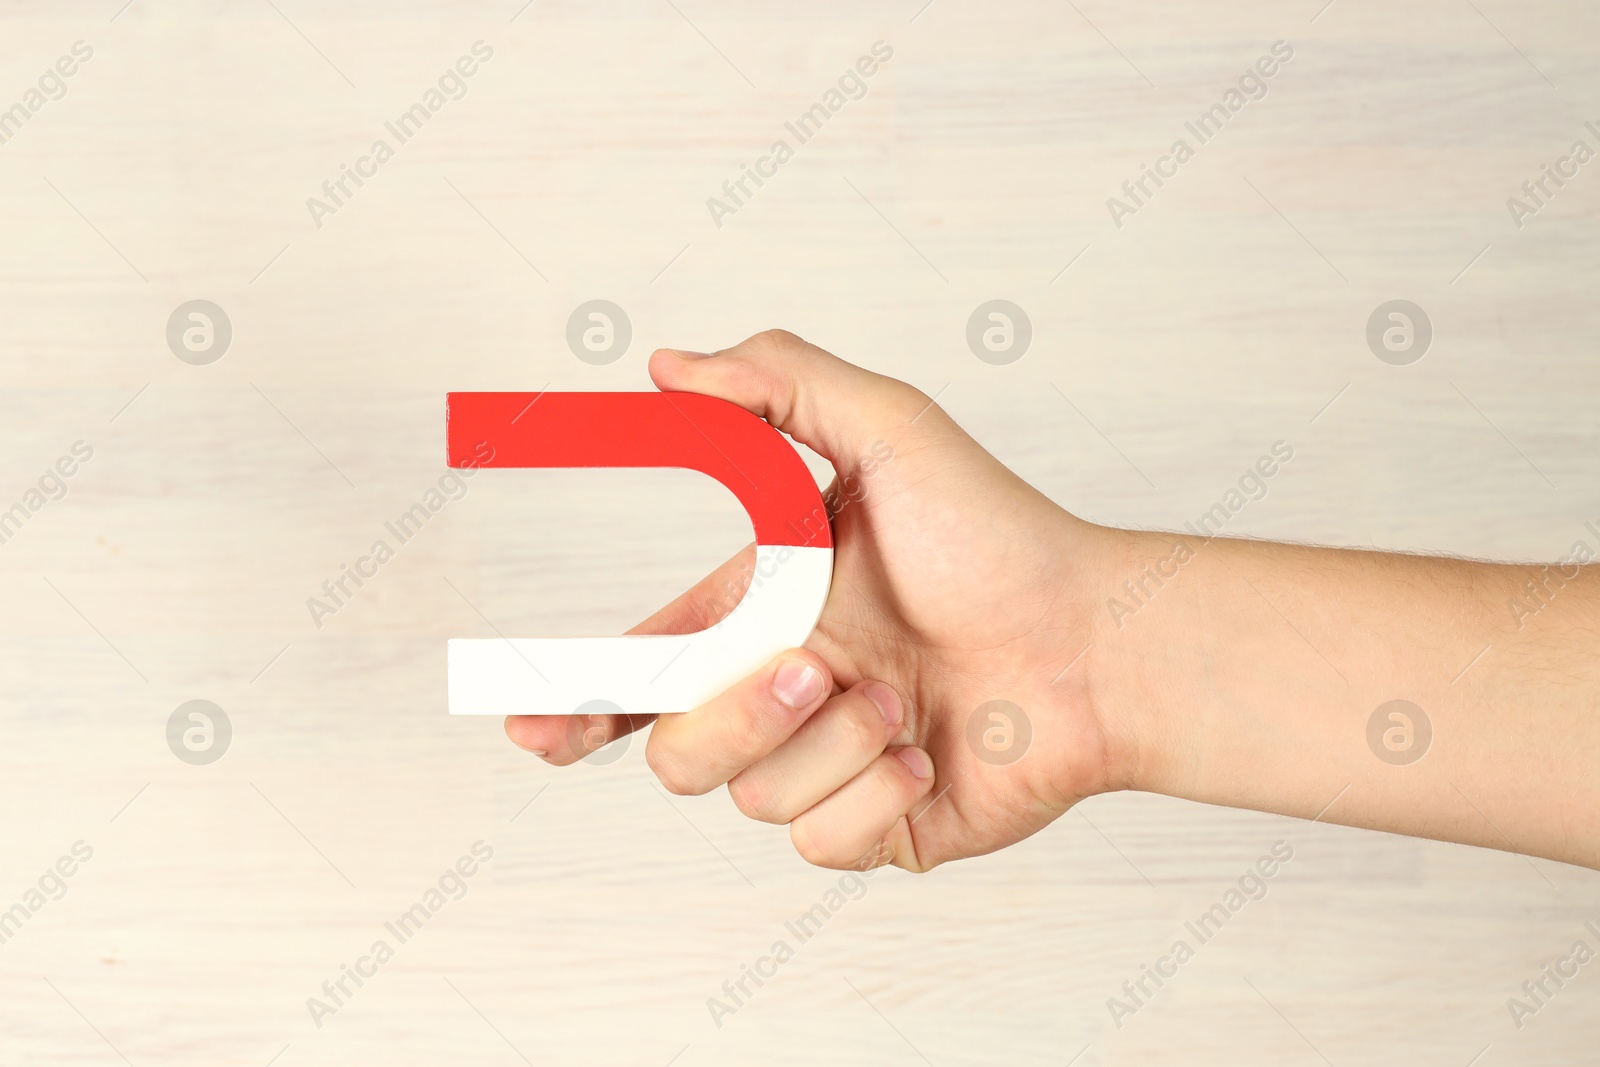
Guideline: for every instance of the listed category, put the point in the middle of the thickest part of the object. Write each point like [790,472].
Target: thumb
[832,407]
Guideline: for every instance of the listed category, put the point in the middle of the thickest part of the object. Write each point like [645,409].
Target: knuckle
[777,339]
[669,771]
[751,799]
[806,844]
[744,734]
[909,397]
[747,377]
[861,728]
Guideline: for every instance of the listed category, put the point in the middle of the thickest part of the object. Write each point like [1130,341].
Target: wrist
[1130,572]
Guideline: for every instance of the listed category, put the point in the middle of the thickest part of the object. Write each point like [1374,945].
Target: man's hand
[968,682]
[955,584]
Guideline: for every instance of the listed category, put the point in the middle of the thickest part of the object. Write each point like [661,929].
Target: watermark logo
[999,332]
[452,486]
[1153,577]
[851,85]
[1399,332]
[1539,589]
[51,86]
[452,884]
[338,191]
[51,885]
[592,737]
[599,332]
[1252,86]
[51,486]
[999,733]
[199,332]
[1538,191]
[1399,732]
[199,732]
[1538,991]
[850,886]
[1251,886]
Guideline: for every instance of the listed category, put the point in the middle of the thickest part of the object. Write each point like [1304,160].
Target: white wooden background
[1217,320]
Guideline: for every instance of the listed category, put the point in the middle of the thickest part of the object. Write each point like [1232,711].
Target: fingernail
[887,701]
[693,355]
[916,761]
[541,753]
[797,683]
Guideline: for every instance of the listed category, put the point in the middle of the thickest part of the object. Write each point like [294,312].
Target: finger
[833,407]
[565,739]
[898,846]
[697,751]
[854,819]
[830,748]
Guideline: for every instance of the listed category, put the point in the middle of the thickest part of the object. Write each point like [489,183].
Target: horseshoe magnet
[646,674]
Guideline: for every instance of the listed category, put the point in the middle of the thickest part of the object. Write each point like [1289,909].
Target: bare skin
[1247,676]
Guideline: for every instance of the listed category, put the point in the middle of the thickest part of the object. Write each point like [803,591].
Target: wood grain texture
[1224,315]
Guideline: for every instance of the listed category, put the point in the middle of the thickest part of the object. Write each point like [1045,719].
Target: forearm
[1248,673]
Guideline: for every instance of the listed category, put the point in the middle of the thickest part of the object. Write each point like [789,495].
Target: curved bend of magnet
[646,674]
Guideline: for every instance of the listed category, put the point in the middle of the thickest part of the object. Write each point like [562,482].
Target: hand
[955,584]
